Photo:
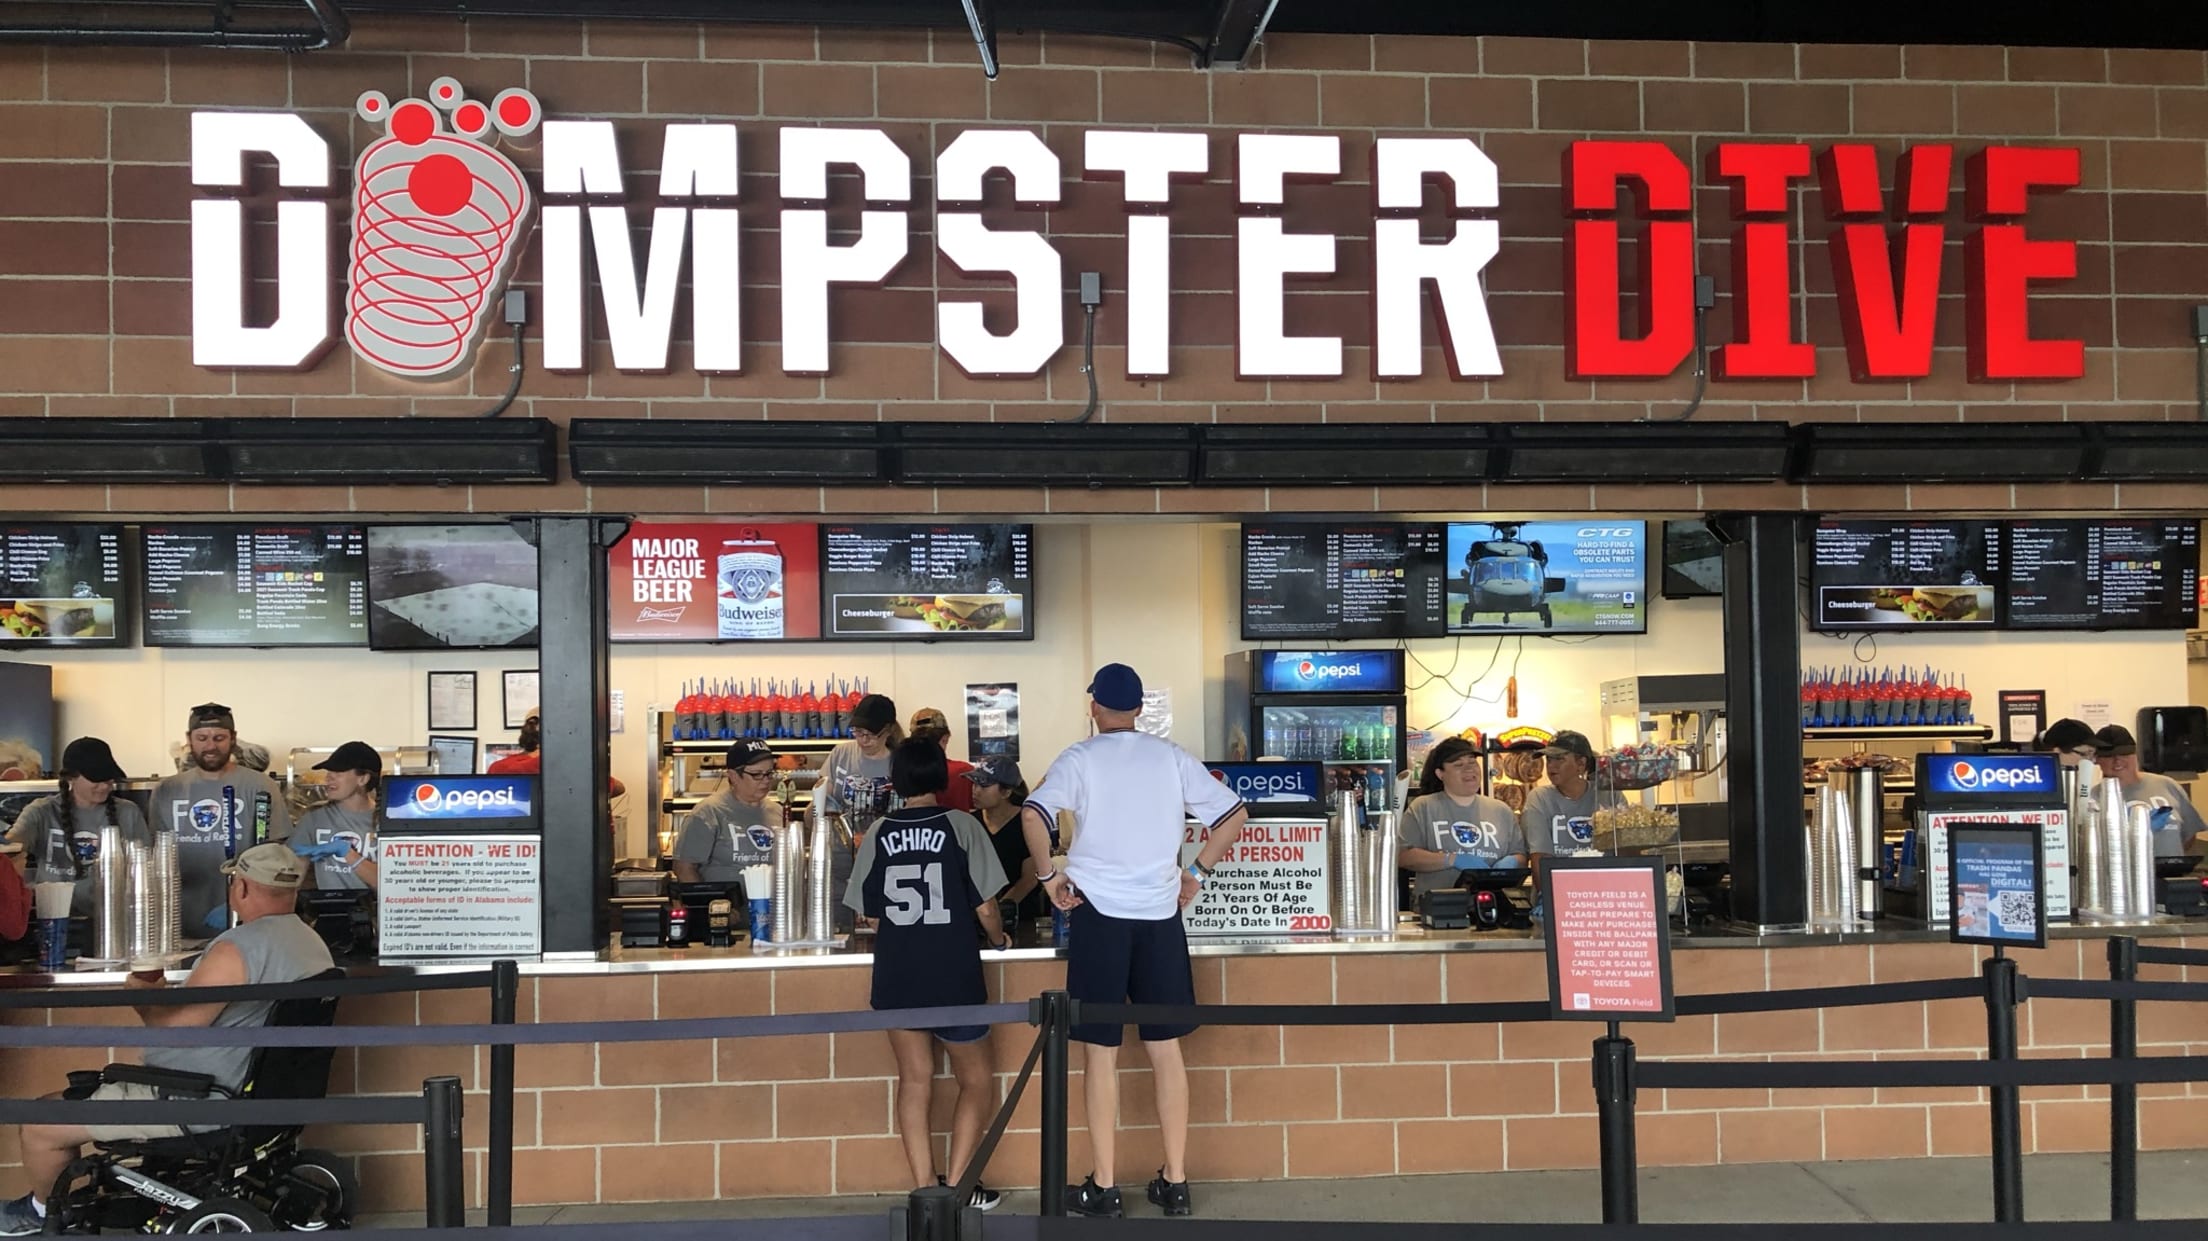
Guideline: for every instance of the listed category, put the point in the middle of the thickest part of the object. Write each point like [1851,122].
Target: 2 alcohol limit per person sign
[1609,938]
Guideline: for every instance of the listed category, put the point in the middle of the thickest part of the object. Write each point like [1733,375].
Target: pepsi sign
[1331,672]
[1261,784]
[461,799]
[2026,777]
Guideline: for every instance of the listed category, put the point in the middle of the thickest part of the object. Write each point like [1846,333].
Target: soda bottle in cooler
[1272,741]
[1376,789]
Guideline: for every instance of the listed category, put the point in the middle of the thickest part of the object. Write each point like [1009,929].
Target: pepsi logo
[426,796]
[1306,669]
[1966,775]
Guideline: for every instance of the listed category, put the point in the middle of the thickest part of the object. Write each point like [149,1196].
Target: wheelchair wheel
[316,1191]
[221,1215]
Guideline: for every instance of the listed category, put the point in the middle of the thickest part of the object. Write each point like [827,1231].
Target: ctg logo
[429,798]
[1969,775]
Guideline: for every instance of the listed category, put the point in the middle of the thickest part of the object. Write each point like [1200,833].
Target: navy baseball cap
[1116,687]
[745,753]
[997,769]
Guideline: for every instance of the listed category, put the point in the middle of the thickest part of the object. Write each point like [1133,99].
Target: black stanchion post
[1056,1008]
[2123,1097]
[1621,1193]
[2003,990]
[932,1214]
[441,1171]
[498,1191]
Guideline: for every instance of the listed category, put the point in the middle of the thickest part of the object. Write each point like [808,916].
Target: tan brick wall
[94,196]
[742,1118]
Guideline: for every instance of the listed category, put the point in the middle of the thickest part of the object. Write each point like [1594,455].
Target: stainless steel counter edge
[1408,939]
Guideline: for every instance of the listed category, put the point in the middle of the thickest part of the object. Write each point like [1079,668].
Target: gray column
[571,611]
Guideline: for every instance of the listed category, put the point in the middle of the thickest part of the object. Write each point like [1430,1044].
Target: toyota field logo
[438,219]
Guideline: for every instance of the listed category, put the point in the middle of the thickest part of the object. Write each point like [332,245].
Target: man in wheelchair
[269,944]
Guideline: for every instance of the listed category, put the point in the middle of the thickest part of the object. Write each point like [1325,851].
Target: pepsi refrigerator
[2018,789]
[1343,710]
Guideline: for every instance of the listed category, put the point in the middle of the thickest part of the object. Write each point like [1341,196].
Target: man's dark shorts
[1123,960]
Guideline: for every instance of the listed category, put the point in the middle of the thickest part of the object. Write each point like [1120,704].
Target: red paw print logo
[437,218]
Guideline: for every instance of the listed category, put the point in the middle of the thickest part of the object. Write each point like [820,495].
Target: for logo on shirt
[760,838]
[1475,835]
[205,814]
[85,847]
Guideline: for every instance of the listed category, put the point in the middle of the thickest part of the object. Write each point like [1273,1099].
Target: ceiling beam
[1236,30]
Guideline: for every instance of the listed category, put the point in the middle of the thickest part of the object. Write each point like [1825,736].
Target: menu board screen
[928,581]
[709,581]
[1547,577]
[61,586]
[466,587]
[2082,574]
[236,585]
[1895,574]
[1311,580]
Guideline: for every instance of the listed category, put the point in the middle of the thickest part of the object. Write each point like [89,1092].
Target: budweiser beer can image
[748,587]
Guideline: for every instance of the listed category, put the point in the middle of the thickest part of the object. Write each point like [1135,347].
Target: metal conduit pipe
[331,29]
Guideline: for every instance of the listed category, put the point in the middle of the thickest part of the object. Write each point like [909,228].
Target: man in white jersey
[1131,795]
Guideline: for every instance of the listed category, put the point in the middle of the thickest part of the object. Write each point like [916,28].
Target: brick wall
[94,196]
[811,1116]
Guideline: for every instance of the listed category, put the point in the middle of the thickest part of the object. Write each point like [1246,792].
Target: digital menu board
[2091,574]
[1547,577]
[468,587]
[62,585]
[705,581]
[255,585]
[928,581]
[1905,573]
[1363,581]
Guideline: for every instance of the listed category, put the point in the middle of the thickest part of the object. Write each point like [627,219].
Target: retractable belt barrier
[2172,956]
[156,997]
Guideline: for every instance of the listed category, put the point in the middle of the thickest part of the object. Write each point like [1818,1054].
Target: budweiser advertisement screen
[62,586]
[254,585]
[471,587]
[2081,574]
[1905,574]
[928,581]
[1546,577]
[715,582]
[1351,582]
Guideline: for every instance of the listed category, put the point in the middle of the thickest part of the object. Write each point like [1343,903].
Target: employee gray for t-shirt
[1132,795]
[1549,813]
[49,849]
[723,835]
[324,824]
[190,804]
[1438,822]
[2158,790]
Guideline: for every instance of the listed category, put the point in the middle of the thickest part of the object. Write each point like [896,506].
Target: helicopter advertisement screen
[1540,577]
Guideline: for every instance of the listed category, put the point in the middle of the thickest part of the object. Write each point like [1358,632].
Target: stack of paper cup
[820,905]
[111,910]
[788,910]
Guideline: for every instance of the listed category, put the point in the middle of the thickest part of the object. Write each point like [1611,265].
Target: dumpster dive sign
[439,217]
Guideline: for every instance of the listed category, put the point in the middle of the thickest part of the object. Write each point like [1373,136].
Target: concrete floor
[2173,1185]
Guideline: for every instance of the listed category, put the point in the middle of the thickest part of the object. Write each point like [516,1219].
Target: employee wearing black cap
[2071,741]
[854,780]
[213,807]
[339,836]
[733,828]
[999,792]
[60,834]
[2177,824]
[1560,815]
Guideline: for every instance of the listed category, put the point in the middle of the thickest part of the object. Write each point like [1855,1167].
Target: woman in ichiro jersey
[929,877]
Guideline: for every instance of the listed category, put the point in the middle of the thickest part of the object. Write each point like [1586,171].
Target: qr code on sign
[2016,912]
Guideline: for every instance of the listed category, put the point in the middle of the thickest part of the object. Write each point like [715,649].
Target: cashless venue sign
[1609,938]
[440,216]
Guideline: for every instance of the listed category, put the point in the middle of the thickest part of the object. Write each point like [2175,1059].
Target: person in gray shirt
[269,945]
[1452,827]
[733,828]
[1560,815]
[2177,822]
[212,808]
[60,835]
[339,836]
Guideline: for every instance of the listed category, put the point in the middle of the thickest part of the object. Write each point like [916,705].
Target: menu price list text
[253,585]
[1350,581]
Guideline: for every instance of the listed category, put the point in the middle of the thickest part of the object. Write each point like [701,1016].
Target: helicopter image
[1507,575]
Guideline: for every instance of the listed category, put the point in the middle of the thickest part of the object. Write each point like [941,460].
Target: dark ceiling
[2109,23]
